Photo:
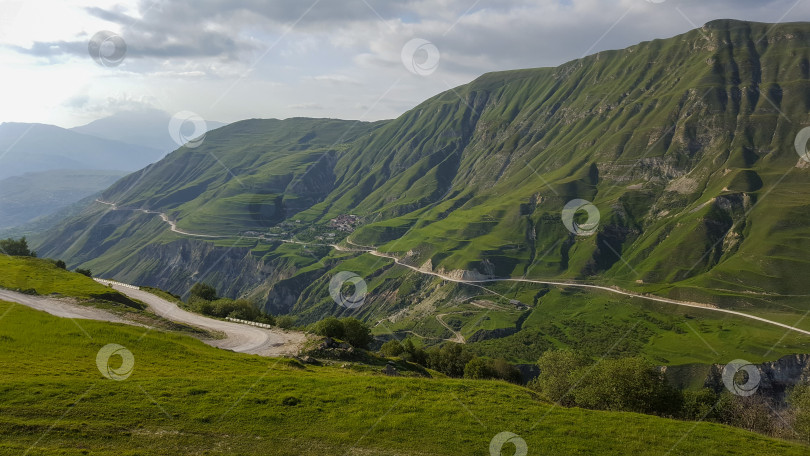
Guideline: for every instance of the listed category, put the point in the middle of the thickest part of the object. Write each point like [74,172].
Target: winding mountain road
[478,282]
[61,307]
[238,337]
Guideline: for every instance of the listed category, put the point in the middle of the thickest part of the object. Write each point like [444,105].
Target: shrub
[204,291]
[479,368]
[329,327]
[628,384]
[86,272]
[414,354]
[753,413]
[506,371]
[16,247]
[485,368]
[392,348]
[699,404]
[285,322]
[799,400]
[557,368]
[450,359]
[355,332]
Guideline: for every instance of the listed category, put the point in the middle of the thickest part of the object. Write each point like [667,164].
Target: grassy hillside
[41,276]
[184,397]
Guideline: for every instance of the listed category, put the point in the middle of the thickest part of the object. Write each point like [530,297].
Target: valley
[598,254]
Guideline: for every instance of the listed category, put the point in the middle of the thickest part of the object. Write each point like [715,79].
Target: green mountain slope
[684,145]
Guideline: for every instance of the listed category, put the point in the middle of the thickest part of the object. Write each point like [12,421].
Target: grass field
[43,277]
[184,397]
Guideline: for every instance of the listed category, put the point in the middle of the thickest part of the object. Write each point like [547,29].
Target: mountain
[685,146]
[147,128]
[32,195]
[33,148]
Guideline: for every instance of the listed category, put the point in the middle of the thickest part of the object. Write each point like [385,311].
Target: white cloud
[233,59]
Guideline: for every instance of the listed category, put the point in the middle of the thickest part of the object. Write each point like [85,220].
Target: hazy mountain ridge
[32,195]
[40,147]
[145,127]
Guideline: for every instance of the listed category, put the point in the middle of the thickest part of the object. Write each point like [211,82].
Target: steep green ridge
[685,146]
[246,176]
[184,397]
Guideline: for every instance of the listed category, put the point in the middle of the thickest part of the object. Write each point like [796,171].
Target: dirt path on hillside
[459,338]
[238,337]
[62,307]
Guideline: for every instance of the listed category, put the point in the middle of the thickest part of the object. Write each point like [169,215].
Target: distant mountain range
[33,148]
[44,168]
[32,195]
[146,128]
[685,146]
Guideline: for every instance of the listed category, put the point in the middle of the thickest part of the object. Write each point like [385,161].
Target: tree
[356,332]
[18,247]
[451,359]
[557,369]
[329,327]
[627,384]
[285,321]
[479,368]
[753,413]
[485,368]
[204,291]
[86,272]
[799,400]
[415,354]
[392,348]
[506,371]
[60,264]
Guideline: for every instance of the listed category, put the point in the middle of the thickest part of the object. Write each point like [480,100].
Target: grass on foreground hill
[43,277]
[184,397]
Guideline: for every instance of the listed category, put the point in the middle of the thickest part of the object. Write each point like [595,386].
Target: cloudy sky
[357,59]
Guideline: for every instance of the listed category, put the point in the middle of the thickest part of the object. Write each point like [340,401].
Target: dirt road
[238,337]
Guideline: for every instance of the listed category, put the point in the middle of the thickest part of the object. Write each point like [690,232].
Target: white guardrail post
[248,322]
[113,282]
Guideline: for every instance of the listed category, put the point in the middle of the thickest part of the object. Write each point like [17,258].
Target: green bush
[799,400]
[58,263]
[16,247]
[450,359]
[203,291]
[355,332]
[485,368]
[285,322]
[557,375]
[479,368]
[329,327]
[626,384]
[392,348]
[415,355]
[85,272]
